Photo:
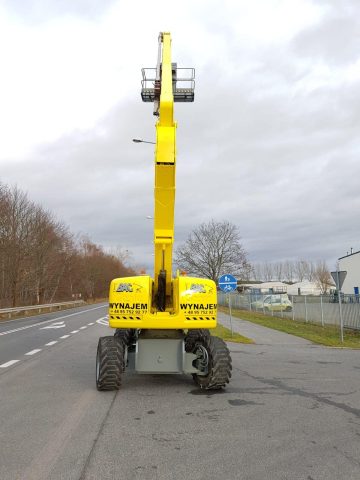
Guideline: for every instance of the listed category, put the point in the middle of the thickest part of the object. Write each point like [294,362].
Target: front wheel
[109,363]
[218,363]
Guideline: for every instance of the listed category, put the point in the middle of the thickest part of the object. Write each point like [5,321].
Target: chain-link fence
[323,309]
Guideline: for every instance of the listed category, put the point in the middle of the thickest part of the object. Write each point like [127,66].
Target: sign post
[339,277]
[227,284]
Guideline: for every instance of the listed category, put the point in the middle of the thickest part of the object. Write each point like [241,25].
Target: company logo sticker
[125,287]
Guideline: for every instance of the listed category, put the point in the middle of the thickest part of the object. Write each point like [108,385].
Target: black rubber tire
[193,336]
[219,365]
[127,335]
[123,334]
[109,363]
[132,336]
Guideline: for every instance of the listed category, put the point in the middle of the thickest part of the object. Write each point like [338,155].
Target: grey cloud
[336,40]
[38,11]
[254,149]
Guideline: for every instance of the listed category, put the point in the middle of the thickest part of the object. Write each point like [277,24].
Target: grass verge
[327,335]
[225,334]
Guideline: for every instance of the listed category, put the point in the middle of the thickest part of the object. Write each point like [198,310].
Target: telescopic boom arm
[165,164]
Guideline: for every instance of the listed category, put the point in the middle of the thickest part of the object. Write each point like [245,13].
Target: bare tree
[213,249]
[247,272]
[97,269]
[268,271]
[257,272]
[301,269]
[288,271]
[49,242]
[15,229]
[307,269]
[40,260]
[278,271]
[311,272]
[4,243]
[322,276]
[122,254]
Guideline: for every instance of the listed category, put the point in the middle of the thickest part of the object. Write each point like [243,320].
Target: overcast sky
[271,142]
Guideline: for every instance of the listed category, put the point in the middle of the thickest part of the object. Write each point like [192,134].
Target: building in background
[299,288]
[304,288]
[351,264]
[263,287]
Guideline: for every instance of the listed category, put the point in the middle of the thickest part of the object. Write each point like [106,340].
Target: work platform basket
[183,84]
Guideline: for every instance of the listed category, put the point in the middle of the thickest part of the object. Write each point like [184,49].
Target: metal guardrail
[50,306]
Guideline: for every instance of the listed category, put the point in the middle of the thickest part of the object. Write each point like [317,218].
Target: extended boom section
[162,323]
[165,165]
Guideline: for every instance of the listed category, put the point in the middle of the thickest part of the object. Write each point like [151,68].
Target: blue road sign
[227,283]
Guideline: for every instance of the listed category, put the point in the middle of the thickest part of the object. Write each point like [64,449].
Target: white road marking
[82,328]
[8,364]
[92,323]
[33,351]
[65,336]
[51,343]
[103,321]
[55,325]
[75,331]
[48,321]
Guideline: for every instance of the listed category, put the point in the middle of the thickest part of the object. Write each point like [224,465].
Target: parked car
[273,303]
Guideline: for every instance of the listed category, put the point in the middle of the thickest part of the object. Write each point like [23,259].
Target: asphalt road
[292,410]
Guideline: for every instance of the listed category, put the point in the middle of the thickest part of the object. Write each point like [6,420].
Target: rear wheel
[109,363]
[127,335]
[213,352]
[193,336]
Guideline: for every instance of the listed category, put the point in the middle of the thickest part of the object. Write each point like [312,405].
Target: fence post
[322,311]
[293,307]
[231,325]
[341,321]
[263,304]
[306,316]
[340,310]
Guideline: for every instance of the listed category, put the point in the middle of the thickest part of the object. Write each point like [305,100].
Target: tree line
[215,248]
[294,271]
[41,261]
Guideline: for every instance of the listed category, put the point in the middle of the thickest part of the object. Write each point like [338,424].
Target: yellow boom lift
[162,323]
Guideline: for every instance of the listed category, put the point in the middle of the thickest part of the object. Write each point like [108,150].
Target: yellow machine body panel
[130,299]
